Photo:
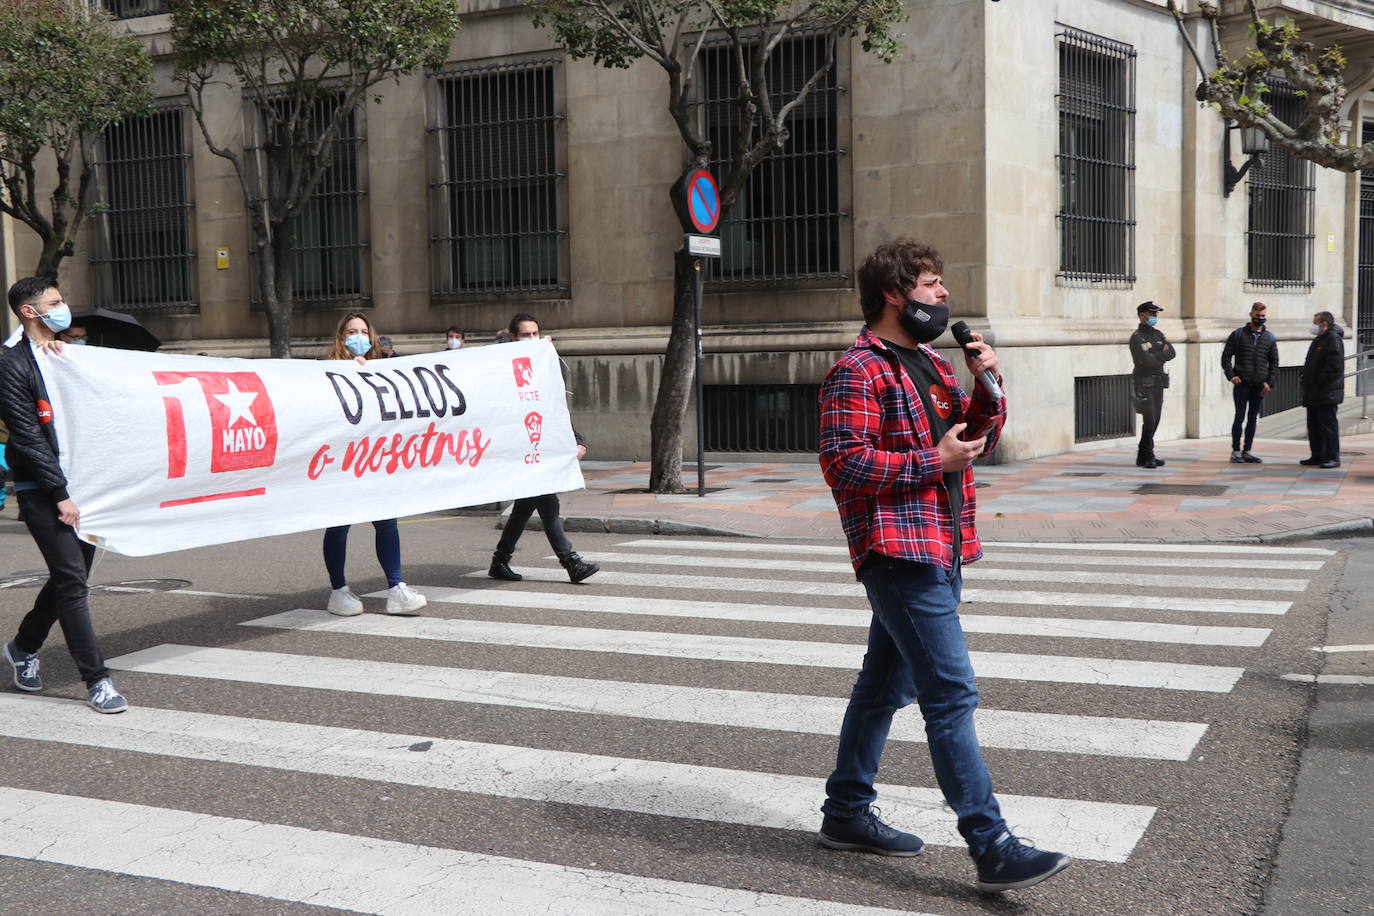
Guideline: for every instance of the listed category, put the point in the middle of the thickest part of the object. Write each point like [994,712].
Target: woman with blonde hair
[356,339]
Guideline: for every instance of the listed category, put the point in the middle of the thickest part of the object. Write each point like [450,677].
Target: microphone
[963,336]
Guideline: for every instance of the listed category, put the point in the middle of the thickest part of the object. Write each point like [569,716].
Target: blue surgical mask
[79,342]
[358,344]
[59,318]
[1152,321]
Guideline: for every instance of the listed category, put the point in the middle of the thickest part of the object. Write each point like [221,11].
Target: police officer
[1149,352]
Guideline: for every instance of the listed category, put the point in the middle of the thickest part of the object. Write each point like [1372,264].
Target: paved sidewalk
[1080,496]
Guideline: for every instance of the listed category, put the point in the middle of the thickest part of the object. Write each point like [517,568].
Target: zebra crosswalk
[648,649]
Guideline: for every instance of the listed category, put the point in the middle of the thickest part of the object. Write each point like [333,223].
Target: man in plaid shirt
[898,438]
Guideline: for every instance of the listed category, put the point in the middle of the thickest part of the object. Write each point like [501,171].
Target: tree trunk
[275,275]
[54,250]
[674,384]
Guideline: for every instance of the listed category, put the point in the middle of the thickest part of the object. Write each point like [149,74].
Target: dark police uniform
[1149,352]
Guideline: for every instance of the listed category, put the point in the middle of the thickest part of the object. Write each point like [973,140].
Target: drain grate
[1082,474]
[143,585]
[1180,489]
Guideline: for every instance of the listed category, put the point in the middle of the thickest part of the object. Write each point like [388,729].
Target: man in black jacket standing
[1149,352]
[1323,388]
[1250,360]
[49,512]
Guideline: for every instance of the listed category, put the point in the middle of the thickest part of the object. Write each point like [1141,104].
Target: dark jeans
[1248,397]
[1151,403]
[63,599]
[388,552]
[916,651]
[1324,433]
[520,513]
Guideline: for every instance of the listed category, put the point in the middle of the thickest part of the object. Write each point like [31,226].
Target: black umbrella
[116,329]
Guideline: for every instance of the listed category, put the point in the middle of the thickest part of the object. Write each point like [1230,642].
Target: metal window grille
[1364,315]
[1096,104]
[1279,236]
[496,221]
[1102,407]
[141,248]
[132,9]
[329,241]
[762,418]
[1287,391]
[784,229]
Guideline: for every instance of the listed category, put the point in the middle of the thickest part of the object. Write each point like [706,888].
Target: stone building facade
[1051,150]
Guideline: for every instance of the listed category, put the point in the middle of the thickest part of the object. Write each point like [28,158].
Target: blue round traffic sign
[703,200]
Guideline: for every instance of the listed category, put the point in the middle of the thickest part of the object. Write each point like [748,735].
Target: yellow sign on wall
[221,259]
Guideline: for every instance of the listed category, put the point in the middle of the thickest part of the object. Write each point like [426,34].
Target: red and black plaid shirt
[882,463]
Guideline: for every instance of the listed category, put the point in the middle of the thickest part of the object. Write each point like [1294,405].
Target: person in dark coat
[1323,389]
[1149,352]
[1250,361]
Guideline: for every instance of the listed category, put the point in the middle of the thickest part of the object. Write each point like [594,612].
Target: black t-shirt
[943,411]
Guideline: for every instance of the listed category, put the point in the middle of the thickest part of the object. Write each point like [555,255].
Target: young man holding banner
[49,513]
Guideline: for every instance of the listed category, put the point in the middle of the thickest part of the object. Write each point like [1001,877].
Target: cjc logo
[44,411]
[524,372]
[941,401]
[534,426]
[243,423]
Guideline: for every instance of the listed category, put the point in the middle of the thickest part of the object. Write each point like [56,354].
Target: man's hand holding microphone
[955,453]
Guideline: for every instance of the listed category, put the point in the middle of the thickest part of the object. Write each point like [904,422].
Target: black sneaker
[1012,863]
[1237,457]
[867,832]
[578,568]
[25,668]
[1310,462]
[1251,459]
[500,569]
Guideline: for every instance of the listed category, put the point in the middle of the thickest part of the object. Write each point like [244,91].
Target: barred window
[1096,158]
[785,227]
[141,248]
[496,222]
[329,240]
[1279,236]
[131,9]
[1364,316]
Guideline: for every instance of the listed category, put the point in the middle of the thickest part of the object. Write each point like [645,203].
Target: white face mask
[454,343]
[1315,330]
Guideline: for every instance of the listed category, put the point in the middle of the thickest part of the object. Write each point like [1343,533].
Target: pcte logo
[243,423]
[524,372]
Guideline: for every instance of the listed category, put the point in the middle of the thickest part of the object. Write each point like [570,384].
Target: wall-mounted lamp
[1253,143]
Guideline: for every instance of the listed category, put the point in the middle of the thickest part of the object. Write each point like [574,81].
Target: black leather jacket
[24,406]
[1149,352]
[1255,360]
[1322,382]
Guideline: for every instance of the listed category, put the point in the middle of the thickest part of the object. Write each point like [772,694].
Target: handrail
[1369,352]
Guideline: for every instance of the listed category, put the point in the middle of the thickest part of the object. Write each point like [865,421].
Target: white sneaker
[343,602]
[402,599]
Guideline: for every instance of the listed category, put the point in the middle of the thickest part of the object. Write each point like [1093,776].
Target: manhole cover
[775,480]
[1180,489]
[1081,474]
[143,585]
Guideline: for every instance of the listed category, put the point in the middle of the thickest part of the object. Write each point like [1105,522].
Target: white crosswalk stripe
[1059,733]
[1080,644]
[1018,667]
[1072,628]
[971,595]
[360,874]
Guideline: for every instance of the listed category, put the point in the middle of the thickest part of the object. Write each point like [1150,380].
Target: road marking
[994,554]
[359,874]
[1343,648]
[1249,550]
[133,590]
[1351,679]
[1127,630]
[1111,672]
[854,589]
[975,574]
[1092,830]
[1055,733]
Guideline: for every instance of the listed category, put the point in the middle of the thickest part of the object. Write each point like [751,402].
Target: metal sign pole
[701,407]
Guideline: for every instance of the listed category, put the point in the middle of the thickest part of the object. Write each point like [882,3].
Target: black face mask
[1258,322]
[923,322]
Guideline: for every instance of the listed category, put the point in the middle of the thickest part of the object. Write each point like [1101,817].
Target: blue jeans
[916,651]
[388,552]
[1248,398]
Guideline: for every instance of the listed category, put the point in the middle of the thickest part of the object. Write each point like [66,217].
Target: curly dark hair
[896,265]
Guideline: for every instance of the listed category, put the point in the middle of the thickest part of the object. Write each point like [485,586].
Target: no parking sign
[703,201]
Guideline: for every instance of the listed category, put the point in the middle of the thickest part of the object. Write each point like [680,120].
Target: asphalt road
[543,747]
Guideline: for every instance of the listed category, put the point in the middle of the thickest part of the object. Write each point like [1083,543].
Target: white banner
[164,452]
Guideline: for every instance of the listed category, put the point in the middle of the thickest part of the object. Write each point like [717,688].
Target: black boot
[578,568]
[500,568]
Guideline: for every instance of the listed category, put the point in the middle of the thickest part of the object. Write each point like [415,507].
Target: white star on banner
[240,405]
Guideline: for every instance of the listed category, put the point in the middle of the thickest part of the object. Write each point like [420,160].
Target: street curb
[630,525]
[1335,529]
